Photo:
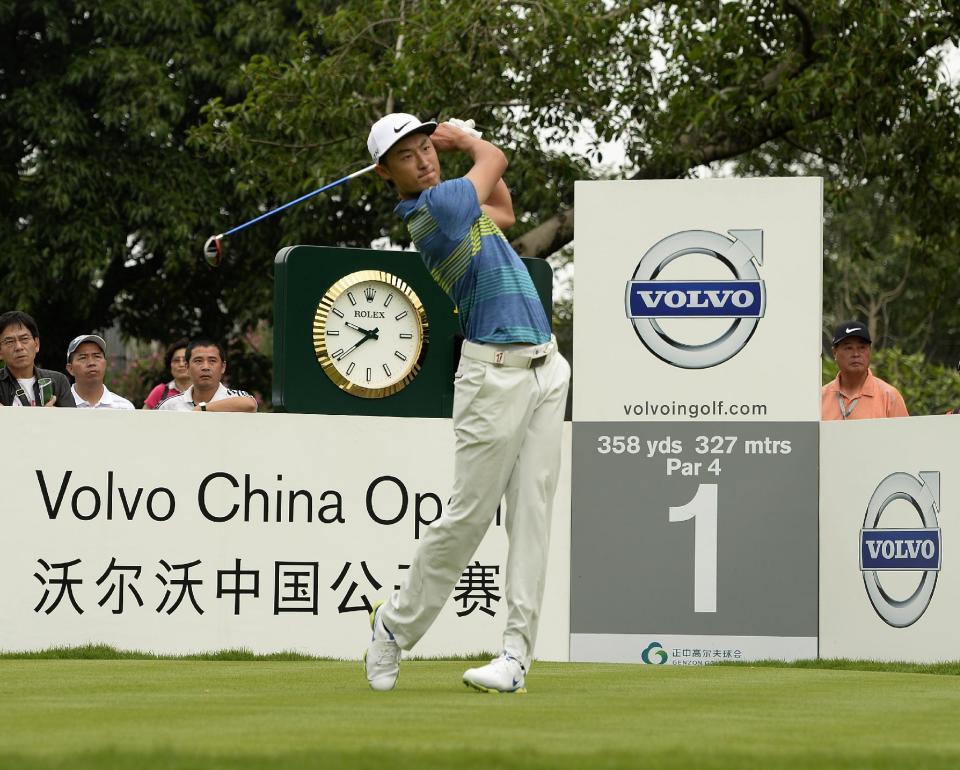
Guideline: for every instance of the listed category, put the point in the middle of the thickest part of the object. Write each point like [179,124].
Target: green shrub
[927,388]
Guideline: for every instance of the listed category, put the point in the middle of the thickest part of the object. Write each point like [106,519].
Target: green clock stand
[364,331]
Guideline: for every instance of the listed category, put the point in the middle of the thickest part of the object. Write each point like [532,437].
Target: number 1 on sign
[703,510]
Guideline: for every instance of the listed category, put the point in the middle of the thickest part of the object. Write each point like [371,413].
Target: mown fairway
[173,714]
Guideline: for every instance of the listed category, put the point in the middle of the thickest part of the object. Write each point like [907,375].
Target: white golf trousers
[508,423]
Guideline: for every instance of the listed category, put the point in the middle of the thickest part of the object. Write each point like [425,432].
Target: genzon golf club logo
[743,299]
[654,654]
[902,549]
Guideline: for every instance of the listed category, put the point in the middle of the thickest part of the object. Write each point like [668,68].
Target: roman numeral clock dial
[370,334]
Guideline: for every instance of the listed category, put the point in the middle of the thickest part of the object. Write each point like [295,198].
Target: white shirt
[107,401]
[184,401]
[27,387]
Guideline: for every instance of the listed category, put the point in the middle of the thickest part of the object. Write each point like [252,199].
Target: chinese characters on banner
[269,532]
[296,587]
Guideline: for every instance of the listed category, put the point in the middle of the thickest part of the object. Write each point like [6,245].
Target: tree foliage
[129,132]
[104,206]
[851,91]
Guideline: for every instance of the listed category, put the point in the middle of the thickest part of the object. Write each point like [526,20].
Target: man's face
[412,165]
[88,364]
[206,366]
[852,356]
[18,348]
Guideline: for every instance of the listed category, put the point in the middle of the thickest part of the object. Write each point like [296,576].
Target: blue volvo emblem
[915,549]
[742,299]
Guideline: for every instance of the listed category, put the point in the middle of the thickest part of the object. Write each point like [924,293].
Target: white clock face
[369,334]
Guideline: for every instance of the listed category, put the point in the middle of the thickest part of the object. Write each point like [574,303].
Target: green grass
[949,668]
[153,714]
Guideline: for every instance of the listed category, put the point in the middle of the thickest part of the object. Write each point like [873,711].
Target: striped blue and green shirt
[472,261]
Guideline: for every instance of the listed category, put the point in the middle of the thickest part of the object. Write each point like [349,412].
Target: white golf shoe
[382,659]
[503,674]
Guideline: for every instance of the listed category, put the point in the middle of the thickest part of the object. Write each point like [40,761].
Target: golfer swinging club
[510,392]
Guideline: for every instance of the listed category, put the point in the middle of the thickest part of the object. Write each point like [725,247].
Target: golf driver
[213,249]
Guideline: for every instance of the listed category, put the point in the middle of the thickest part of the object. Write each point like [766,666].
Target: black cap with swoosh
[850,329]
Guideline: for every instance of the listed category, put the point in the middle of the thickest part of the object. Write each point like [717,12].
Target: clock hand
[367,335]
[354,326]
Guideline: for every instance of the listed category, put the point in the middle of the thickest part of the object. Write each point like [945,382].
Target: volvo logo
[902,549]
[742,299]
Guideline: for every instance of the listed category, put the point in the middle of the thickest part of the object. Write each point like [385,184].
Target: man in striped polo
[207,363]
[510,392]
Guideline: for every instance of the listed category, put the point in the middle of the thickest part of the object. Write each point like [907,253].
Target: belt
[528,357]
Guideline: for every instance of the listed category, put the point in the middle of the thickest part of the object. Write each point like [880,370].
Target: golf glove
[465,125]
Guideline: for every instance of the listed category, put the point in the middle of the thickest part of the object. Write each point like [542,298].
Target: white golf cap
[391,128]
[78,341]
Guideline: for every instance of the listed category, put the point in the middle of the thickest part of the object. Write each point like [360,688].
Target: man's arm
[499,206]
[897,406]
[231,404]
[486,174]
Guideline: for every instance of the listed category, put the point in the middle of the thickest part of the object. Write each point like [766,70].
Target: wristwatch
[203,406]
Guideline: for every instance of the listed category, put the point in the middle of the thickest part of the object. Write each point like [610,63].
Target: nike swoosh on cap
[851,331]
[398,130]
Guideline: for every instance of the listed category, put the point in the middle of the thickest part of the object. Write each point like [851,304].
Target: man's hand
[52,401]
[449,138]
[489,163]
[465,125]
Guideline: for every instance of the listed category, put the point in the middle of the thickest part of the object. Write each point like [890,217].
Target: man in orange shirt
[856,394]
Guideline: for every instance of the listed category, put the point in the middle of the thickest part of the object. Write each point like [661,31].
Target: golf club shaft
[298,200]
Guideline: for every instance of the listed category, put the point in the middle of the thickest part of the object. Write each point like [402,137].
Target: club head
[213,251]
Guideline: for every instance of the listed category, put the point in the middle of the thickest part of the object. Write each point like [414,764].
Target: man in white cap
[510,393]
[87,364]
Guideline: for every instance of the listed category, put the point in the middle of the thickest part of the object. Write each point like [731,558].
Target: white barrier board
[695,439]
[888,501]
[687,294]
[180,533]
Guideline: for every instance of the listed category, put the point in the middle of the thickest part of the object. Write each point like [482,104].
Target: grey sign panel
[694,528]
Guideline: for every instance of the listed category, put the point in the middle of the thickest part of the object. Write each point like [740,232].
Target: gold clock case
[320,329]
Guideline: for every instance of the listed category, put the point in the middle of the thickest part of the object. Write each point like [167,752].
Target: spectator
[207,363]
[20,379]
[176,359]
[856,394]
[87,364]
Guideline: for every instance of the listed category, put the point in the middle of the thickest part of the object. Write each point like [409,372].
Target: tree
[680,85]
[851,91]
[131,132]
[104,206]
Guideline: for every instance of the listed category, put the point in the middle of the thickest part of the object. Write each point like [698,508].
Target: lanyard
[23,398]
[846,412]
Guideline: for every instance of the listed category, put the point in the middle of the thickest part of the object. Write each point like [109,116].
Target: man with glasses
[21,382]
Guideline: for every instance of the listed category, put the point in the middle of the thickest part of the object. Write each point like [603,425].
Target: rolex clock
[366,332]
[370,334]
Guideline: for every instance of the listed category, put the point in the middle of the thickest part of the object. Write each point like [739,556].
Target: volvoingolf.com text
[694,411]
